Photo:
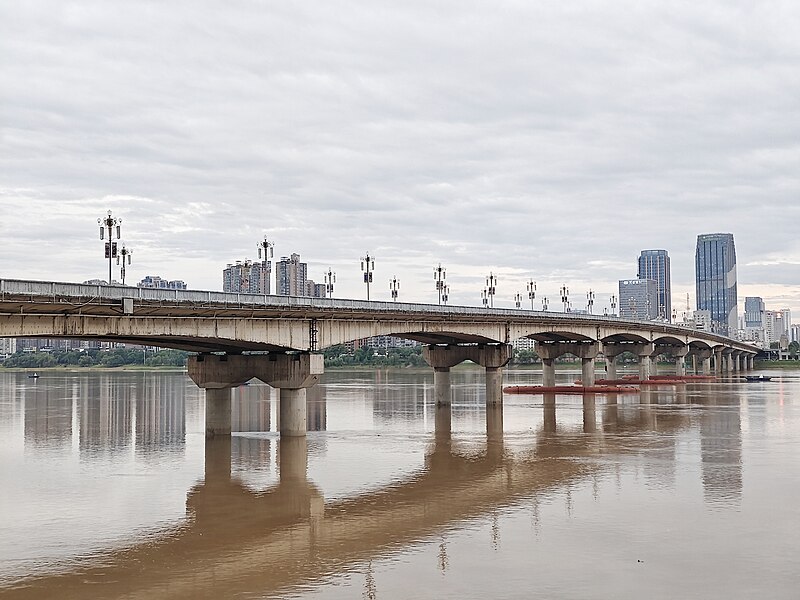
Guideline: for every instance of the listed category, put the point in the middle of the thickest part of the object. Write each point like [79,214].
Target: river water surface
[108,489]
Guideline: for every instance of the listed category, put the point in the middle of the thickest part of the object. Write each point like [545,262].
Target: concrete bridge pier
[707,365]
[492,357]
[679,353]
[586,351]
[218,411]
[718,361]
[442,390]
[290,373]
[548,372]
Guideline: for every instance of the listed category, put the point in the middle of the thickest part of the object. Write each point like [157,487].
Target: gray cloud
[533,139]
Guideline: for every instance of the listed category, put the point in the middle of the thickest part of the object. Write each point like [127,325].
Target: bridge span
[276,339]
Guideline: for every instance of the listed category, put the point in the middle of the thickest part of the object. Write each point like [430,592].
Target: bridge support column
[611,367]
[645,366]
[728,362]
[587,351]
[492,357]
[707,365]
[680,365]
[548,372]
[737,364]
[718,362]
[291,373]
[587,371]
[441,386]
[218,411]
[292,416]
[494,385]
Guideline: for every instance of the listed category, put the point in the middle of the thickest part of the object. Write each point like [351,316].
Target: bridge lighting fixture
[125,255]
[544,303]
[439,276]
[518,300]
[565,297]
[491,288]
[367,266]
[589,300]
[613,301]
[532,292]
[111,225]
[485,298]
[330,279]
[394,287]
[445,294]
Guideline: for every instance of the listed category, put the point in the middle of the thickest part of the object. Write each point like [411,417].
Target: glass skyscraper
[654,264]
[715,264]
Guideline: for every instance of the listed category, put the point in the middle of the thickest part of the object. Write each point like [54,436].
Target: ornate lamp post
[544,303]
[394,287]
[518,300]
[485,298]
[439,275]
[265,249]
[330,279]
[367,266]
[589,300]
[125,255]
[613,301]
[532,292]
[565,297]
[112,225]
[445,294]
[491,288]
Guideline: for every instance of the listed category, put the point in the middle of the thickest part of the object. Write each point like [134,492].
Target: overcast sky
[544,140]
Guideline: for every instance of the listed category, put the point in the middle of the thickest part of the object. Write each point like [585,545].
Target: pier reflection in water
[473,500]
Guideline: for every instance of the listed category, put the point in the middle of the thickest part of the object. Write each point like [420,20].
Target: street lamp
[544,303]
[613,301]
[518,300]
[330,279]
[445,294]
[485,298]
[111,224]
[367,266]
[565,297]
[394,287]
[265,249]
[439,275]
[589,300]
[491,287]
[532,292]
[125,254]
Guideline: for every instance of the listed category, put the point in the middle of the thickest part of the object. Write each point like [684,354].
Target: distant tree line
[92,357]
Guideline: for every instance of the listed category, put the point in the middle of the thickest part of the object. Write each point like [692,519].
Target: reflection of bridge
[239,541]
[291,329]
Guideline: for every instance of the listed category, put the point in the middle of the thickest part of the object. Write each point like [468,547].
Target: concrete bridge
[276,339]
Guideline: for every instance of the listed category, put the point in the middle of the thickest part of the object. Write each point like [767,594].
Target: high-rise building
[247,277]
[8,346]
[638,299]
[715,264]
[654,264]
[777,324]
[314,289]
[753,312]
[290,276]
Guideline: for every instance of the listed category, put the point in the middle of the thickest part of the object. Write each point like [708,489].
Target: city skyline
[560,167]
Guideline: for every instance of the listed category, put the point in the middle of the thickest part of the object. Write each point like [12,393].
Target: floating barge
[569,389]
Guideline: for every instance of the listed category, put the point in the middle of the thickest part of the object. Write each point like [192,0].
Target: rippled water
[108,489]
